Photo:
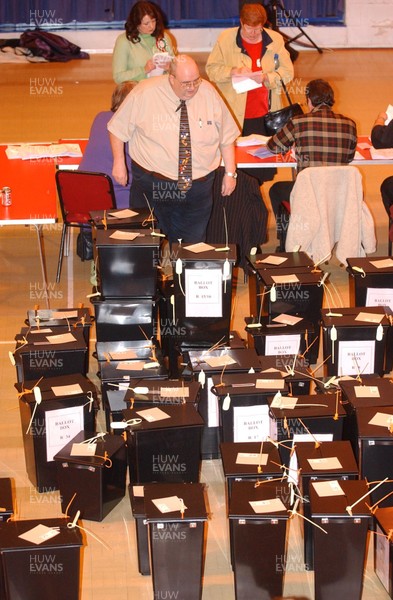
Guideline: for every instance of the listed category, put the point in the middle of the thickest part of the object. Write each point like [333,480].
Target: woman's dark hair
[320,92]
[137,13]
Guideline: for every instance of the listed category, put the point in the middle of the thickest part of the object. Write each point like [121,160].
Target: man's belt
[162,177]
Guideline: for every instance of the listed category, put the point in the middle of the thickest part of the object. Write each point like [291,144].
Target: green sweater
[129,59]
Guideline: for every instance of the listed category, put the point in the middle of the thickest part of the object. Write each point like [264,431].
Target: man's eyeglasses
[190,85]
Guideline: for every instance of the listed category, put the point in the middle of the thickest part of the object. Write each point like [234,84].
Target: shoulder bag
[275,120]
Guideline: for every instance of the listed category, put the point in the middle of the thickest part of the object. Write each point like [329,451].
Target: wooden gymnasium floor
[77,91]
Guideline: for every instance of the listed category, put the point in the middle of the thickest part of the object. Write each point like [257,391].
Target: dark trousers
[279,192]
[180,215]
[387,193]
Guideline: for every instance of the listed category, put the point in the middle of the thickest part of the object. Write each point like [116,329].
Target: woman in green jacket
[145,49]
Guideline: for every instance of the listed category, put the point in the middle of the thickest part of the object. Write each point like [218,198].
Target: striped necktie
[184,181]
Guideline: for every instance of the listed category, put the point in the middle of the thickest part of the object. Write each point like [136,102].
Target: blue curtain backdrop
[95,14]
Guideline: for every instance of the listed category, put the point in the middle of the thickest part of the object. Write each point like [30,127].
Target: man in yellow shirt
[149,120]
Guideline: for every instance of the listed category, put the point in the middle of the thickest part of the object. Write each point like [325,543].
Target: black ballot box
[296,294]
[74,318]
[201,366]
[295,369]
[177,516]
[375,450]
[125,320]
[259,518]
[137,501]
[147,393]
[68,405]
[250,461]
[202,298]
[330,460]
[166,445]
[6,499]
[366,391]
[50,353]
[127,263]
[40,559]
[339,550]
[127,350]
[122,218]
[270,338]
[355,340]
[291,417]
[383,548]
[371,281]
[258,264]
[243,404]
[92,475]
[371,284]
[119,375]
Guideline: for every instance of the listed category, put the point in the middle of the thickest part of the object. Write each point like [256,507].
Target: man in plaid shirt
[319,138]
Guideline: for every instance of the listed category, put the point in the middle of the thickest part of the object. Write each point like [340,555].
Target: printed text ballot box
[127,263]
[339,554]
[50,353]
[202,365]
[92,476]
[202,300]
[243,404]
[177,515]
[297,294]
[372,280]
[331,460]
[369,391]
[375,440]
[273,337]
[125,320]
[259,517]
[6,499]
[40,559]
[165,446]
[355,340]
[383,548]
[68,405]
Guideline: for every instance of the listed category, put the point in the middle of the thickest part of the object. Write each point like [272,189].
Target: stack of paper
[29,151]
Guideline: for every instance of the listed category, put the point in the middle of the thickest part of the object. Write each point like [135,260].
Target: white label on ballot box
[203,292]
[356,357]
[251,423]
[379,297]
[282,344]
[213,419]
[61,426]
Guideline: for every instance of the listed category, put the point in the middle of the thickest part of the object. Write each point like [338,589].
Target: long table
[244,160]
[34,201]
